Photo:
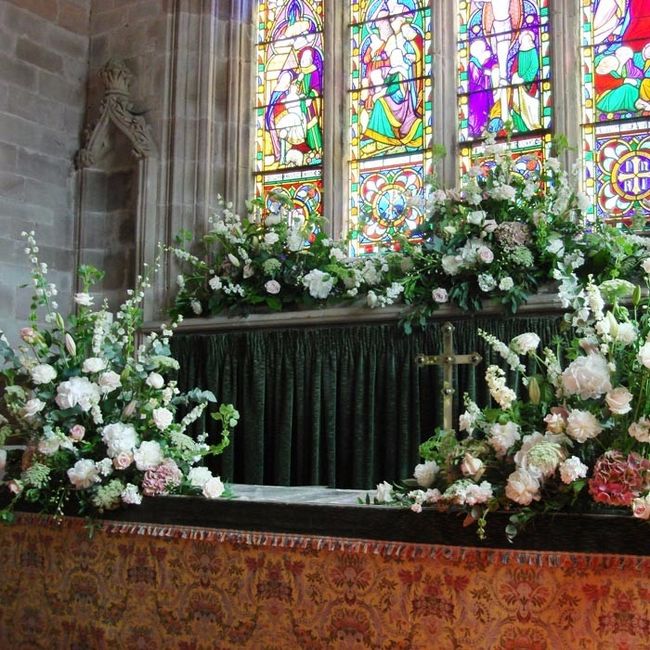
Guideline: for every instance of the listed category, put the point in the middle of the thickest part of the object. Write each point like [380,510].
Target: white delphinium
[193,416]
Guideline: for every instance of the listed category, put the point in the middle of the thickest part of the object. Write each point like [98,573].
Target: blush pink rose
[77,432]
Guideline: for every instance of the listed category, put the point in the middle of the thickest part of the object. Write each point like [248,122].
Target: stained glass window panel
[616,107]
[390,117]
[504,67]
[385,201]
[289,97]
[302,189]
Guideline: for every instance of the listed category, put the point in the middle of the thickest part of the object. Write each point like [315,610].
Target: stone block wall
[43,70]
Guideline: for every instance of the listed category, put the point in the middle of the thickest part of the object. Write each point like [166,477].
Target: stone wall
[43,66]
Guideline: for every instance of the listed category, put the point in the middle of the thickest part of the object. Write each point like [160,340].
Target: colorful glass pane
[390,118]
[503,67]
[616,107]
[303,189]
[385,201]
[289,98]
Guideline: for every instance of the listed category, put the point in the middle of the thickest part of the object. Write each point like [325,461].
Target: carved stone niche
[117,188]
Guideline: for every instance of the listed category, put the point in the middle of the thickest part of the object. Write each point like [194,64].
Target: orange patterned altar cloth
[145,586]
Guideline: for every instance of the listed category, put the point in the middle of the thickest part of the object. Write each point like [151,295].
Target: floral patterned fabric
[147,586]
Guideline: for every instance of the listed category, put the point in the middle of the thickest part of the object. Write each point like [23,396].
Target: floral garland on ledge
[98,419]
[581,438]
[498,236]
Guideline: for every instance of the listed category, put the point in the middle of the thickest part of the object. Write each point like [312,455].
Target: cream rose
[271,238]
[83,474]
[108,382]
[618,400]
[32,407]
[587,377]
[122,460]
[83,299]
[626,333]
[162,418]
[43,373]
[641,507]
[155,380]
[582,425]
[213,488]
[93,364]
[484,254]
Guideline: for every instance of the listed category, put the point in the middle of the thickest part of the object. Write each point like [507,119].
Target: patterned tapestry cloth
[146,586]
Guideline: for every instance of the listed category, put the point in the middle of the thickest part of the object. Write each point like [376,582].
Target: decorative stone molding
[117,109]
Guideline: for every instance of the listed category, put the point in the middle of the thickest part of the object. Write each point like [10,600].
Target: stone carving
[116,108]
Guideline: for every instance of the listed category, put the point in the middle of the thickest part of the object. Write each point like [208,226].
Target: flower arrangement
[579,439]
[99,419]
[277,259]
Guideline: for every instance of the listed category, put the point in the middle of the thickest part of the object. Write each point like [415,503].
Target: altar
[287,568]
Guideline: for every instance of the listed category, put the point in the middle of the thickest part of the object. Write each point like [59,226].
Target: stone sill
[353,314]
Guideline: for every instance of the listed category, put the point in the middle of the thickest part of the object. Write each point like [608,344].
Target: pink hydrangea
[618,480]
[161,479]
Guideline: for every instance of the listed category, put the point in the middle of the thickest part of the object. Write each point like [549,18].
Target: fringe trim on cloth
[387,549]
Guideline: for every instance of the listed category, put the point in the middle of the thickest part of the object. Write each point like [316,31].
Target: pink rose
[77,432]
[440,295]
[485,254]
[618,400]
[122,460]
[641,507]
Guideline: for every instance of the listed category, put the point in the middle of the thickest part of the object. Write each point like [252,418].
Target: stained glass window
[504,71]
[390,119]
[289,102]
[616,107]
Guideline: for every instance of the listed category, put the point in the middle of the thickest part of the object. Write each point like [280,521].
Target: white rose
[618,400]
[272,287]
[440,295]
[213,488]
[503,436]
[162,418]
[83,474]
[505,284]
[93,364]
[271,238]
[451,264]
[582,425]
[384,492]
[43,373]
[215,283]
[199,476]
[641,507]
[644,353]
[119,439]
[476,217]
[83,299]
[484,254]
[32,407]
[572,469]
[471,466]
[525,343]
[108,382]
[425,473]
[77,390]
[588,377]
[522,487]
[626,333]
[148,455]
[155,380]
[640,430]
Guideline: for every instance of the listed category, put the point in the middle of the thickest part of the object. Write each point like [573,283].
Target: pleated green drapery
[343,406]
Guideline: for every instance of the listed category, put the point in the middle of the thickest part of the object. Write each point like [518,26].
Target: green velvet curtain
[343,406]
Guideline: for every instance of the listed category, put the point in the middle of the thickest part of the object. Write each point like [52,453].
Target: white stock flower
[77,391]
[384,492]
[83,474]
[618,400]
[93,364]
[215,283]
[582,425]
[148,455]
[162,418]
[587,377]
[43,373]
[272,287]
[108,382]
[83,299]
[131,495]
[425,473]
[503,436]
[199,476]
[155,380]
[104,467]
[213,488]
[572,469]
[32,407]
[119,439]
[525,343]
[522,487]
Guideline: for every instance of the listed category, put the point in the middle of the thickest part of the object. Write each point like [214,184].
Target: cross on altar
[448,359]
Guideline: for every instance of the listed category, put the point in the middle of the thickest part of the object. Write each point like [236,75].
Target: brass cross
[448,359]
